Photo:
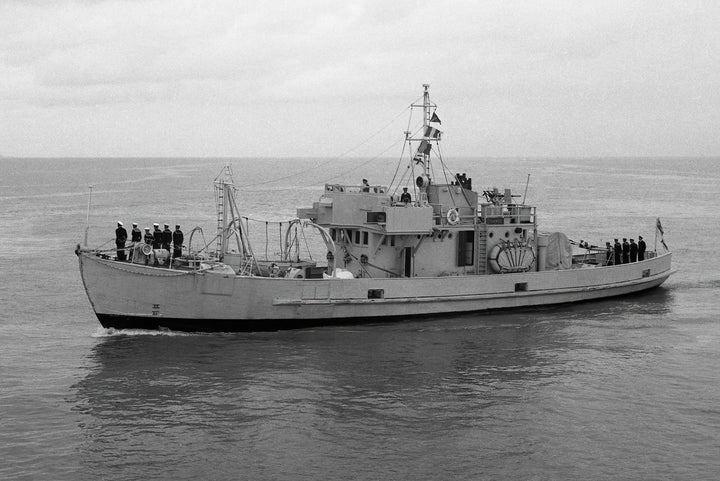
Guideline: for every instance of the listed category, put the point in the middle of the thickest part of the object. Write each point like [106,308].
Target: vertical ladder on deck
[481,239]
[220,200]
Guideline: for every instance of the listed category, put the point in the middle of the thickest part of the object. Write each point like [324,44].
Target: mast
[429,135]
[426,124]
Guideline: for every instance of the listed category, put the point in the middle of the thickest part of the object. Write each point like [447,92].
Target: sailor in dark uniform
[608,254]
[365,185]
[136,233]
[177,240]
[167,238]
[148,236]
[120,239]
[135,238]
[633,251]
[641,249]
[625,251]
[157,237]
[618,252]
[405,196]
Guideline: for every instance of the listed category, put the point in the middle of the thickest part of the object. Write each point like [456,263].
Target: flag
[660,229]
[435,118]
[432,132]
[424,147]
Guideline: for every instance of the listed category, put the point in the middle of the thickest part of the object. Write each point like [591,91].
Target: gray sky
[316,78]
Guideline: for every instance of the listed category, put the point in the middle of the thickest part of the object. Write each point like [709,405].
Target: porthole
[507,234]
[490,235]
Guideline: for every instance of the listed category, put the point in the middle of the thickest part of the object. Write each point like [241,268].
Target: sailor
[618,252]
[120,239]
[148,236]
[157,236]
[366,186]
[625,251]
[633,251]
[405,196]
[136,233]
[177,240]
[641,248]
[167,238]
[608,254]
[136,237]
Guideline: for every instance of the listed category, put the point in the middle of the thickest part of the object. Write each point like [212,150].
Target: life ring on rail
[452,216]
[147,249]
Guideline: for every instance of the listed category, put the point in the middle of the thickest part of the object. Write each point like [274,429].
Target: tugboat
[441,249]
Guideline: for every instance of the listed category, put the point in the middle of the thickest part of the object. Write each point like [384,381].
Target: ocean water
[626,388]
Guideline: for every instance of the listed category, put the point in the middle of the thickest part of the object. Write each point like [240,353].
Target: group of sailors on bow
[157,239]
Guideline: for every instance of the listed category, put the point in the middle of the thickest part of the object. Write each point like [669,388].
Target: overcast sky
[316,78]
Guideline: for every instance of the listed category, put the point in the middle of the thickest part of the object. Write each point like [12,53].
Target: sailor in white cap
[166,238]
[120,239]
[177,238]
[135,238]
[157,236]
[136,234]
[148,236]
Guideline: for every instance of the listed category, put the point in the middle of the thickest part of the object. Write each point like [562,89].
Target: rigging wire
[322,164]
[364,163]
[400,162]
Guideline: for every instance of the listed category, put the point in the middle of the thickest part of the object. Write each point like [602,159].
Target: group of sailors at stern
[158,239]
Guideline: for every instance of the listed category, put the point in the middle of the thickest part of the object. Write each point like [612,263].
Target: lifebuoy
[493,259]
[147,249]
[452,216]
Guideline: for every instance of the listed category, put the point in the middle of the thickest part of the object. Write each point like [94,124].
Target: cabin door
[407,261]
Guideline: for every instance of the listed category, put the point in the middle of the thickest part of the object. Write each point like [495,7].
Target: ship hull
[126,296]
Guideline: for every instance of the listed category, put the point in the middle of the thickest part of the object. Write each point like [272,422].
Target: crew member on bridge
[405,196]
[641,248]
[625,251]
[177,239]
[365,186]
[618,252]
[120,239]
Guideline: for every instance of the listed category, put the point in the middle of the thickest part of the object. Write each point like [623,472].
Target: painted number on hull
[156,310]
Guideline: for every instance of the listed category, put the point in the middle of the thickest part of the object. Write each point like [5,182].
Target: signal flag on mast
[435,118]
[432,132]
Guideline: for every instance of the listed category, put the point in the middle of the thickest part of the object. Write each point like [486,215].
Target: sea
[617,389]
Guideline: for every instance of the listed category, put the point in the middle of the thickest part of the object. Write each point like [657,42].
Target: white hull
[127,295]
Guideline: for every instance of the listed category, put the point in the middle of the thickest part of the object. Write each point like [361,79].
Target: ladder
[481,251]
[220,205]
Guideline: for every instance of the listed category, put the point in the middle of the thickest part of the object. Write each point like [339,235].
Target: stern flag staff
[659,230]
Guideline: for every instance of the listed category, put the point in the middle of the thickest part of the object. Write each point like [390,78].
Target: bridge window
[521,287]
